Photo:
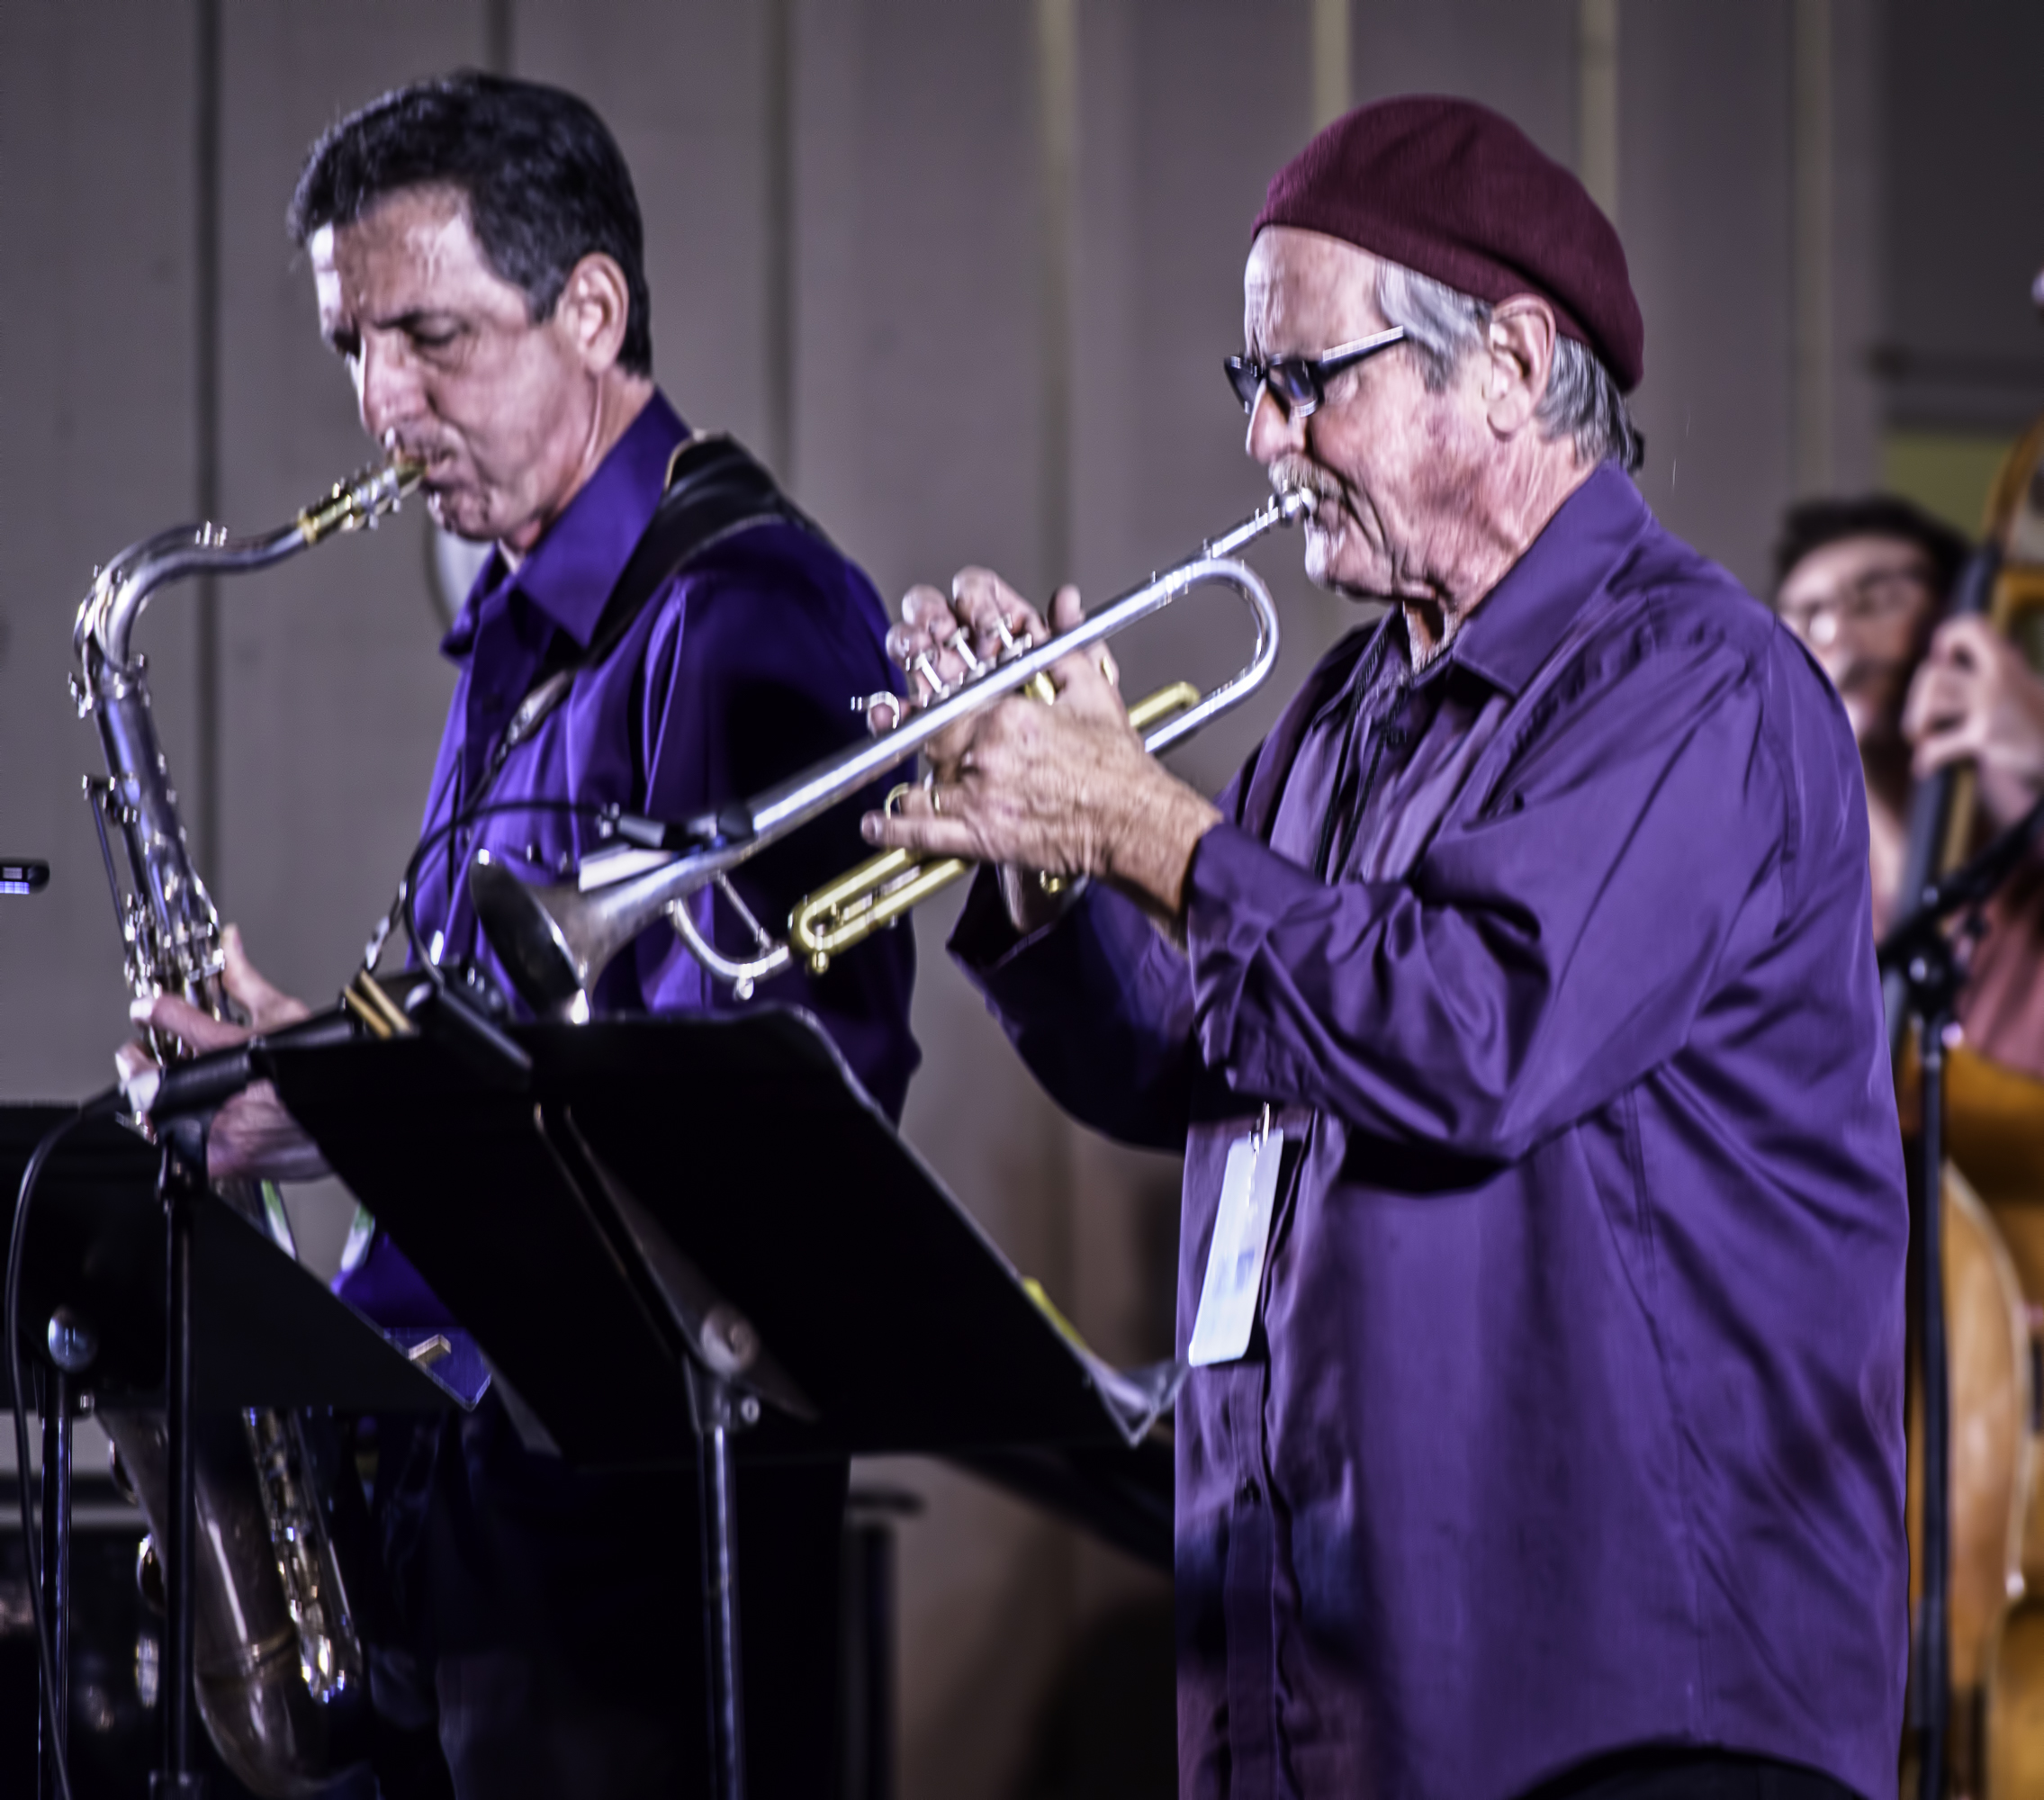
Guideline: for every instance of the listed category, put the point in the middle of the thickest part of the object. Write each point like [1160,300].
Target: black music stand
[157,1293]
[764,1253]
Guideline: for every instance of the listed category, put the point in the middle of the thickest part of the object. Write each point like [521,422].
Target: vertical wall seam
[1596,102]
[206,414]
[1056,95]
[779,346]
[1333,53]
[1811,253]
[499,36]
[1057,60]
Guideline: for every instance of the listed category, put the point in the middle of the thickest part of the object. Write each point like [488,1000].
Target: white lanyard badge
[1241,1238]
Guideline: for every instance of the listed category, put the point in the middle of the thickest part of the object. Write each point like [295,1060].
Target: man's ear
[1521,346]
[594,310]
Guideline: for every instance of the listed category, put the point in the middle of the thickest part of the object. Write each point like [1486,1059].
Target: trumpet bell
[530,928]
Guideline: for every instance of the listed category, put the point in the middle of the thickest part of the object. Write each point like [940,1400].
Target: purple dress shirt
[1573,1420]
[736,673]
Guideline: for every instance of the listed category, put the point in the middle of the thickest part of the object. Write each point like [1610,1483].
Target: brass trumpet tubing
[824,922]
[862,900]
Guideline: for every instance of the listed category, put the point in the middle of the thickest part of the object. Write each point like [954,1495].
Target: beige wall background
[963,273]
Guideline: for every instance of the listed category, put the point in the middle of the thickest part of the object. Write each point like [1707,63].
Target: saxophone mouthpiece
[361,499]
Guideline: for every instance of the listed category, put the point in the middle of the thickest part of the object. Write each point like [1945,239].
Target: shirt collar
[573,567]
[1521,620]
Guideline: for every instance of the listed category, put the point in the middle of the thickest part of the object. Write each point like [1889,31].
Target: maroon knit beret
[1458,193]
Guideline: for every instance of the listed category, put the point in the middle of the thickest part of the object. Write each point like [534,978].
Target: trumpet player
[1515,1011]
[475,246]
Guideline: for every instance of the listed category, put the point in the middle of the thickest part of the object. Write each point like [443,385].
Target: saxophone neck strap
[715,488]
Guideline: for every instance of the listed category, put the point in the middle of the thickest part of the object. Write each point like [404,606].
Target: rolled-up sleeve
[1099,1007]
[1552,945]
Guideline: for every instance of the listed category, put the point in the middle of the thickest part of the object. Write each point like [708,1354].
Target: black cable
[100,1104]
[408,884]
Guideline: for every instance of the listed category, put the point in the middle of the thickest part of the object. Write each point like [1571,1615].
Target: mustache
[1303,472]
[416,449]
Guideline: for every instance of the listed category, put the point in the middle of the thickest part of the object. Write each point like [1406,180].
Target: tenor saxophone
[278,1664]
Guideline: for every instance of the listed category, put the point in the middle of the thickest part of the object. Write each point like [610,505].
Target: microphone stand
[1924,955]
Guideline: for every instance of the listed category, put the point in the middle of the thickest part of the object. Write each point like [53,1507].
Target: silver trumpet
[278,1662]
[555,941]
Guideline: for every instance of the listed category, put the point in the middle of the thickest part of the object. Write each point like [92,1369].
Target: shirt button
[1249,1496]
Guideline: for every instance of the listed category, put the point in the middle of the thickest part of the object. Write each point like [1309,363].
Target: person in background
[1864,583]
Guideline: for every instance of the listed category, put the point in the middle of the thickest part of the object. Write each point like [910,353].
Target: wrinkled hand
[1975,701]
[1064,788]
[252,1136]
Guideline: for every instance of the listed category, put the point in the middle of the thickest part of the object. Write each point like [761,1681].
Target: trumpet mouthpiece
[1297,503]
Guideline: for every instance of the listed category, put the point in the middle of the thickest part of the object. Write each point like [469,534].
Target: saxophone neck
[108,616]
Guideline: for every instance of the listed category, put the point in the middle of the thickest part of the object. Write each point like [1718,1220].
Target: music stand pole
[1935,1000]
[183,1177]
[56,1563]
[1921,954]
[719,1412]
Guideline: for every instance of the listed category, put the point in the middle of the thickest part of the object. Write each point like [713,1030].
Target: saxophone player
[475,249]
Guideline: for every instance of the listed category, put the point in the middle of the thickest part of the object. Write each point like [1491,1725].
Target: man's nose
[1273,432]
[388,387]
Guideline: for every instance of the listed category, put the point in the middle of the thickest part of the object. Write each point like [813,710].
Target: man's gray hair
[1581,403]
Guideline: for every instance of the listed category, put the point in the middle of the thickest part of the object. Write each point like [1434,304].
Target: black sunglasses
[1300,383]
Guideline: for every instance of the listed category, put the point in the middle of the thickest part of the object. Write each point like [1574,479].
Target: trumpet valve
[865,703]
[961,641]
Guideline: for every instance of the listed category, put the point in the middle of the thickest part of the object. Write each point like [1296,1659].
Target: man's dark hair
[1813,524]
[544,182]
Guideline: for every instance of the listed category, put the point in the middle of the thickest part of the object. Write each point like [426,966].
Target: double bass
[1992,1213]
